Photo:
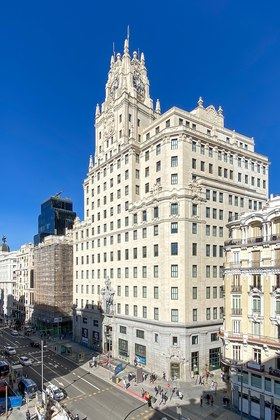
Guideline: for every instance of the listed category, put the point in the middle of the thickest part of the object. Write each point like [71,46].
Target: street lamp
[42,365]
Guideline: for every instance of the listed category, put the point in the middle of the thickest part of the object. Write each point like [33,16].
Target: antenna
[114,53]
[128,34]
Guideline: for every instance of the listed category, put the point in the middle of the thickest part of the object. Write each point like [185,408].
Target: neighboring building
[157,198]
[24,287]
[53,274]
[252,311]
[56,216]
[7,280]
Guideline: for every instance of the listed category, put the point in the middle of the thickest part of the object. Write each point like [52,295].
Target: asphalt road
[87,395]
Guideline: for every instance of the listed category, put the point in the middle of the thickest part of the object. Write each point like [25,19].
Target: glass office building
[56,216]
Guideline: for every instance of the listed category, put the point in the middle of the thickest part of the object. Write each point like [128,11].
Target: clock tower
[128,107]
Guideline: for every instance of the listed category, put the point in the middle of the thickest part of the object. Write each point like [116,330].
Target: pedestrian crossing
[85,396]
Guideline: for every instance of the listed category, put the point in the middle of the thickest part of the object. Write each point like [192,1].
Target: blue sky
[54,63]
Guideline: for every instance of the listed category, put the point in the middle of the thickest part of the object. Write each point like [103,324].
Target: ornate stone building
[252,310]
[157,197]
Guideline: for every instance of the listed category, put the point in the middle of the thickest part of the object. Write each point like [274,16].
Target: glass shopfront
[123,347]
[140,354]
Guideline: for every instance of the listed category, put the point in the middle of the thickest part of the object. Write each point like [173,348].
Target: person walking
[211,400]
[156,390]
[201,401]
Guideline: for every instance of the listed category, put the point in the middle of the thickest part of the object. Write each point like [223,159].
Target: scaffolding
[53,269]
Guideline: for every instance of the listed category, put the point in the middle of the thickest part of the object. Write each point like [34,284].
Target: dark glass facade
[56,216]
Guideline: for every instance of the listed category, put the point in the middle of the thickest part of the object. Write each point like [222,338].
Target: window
[174,227]
[156,292]
[174,341]
[214,337]
[174,179]
[194,228]
[122,329]
[257,355]
[134,290]
[194,249]
[174,315]
[174,270]
[156,271]
[174,248]
[158,166]
[156,230]
[135,310]
[194,313]
[174,208]
[156,338]
[174,293]
[194,210]
[207,292]
[193,163]
[208,314]
[144,311]
[174,161]
[140,334]
[156,250]
[194,271]
[194,292]
[174,144]
[156,314]
[158,148]
[147,155]
[194,339]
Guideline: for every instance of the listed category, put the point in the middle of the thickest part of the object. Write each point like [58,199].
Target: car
[14,333]
[54,392]
[35,344]
[10,351]
[25,361]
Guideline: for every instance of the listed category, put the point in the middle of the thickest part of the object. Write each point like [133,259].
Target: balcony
[273,342]
[253,240]
[236,311]
[236,288]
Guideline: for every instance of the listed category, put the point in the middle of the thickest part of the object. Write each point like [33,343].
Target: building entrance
[175,370]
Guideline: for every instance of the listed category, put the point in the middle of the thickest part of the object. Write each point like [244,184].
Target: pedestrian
[159,389]
[207,398]
[135,362]
[156,390]
[199,380]
[149,401]
[142,392]
[180,395]
[201,401]
[164,376]
[211,399]
[192,374]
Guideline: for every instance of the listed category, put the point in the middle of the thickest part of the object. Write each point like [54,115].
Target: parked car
[54,392]
[14,333]
[25,361]
[10,351]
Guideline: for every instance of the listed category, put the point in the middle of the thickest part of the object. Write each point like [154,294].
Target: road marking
[70,383]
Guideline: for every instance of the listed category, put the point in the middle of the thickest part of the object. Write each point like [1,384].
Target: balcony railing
[236,288]
[262,263]
[253,240]
[236,311]
[251,338]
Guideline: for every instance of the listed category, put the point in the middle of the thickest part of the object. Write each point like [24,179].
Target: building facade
[157,197]
[252,310]
[7,281]
[56,217]
[53,276]
[24,286]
